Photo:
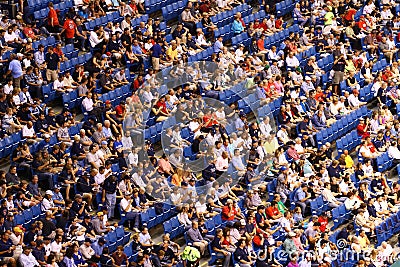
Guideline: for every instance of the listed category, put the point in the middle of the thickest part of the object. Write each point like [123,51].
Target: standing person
[53,25]
[15,69]
[69,30]
[110,194]
[53,64]
[338,76]
[156,52]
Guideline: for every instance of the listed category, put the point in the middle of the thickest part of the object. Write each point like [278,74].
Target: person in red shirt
[263,24]
[370,145]
[69,30]
[58,51]
[387,74]
[323,220]
[53,25]
[273,212]
[362,129]
[362,24]
[229,211]
[29,32]
[137,83]
[349,16]
[209,119]
[121,111]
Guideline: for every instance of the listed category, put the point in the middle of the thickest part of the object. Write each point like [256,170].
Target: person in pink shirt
[164,167]
[292,153]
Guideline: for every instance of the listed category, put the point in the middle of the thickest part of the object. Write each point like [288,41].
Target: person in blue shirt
[7,249]
[15,69]
[156,54]
[237,26]
[98,247]
[302,198]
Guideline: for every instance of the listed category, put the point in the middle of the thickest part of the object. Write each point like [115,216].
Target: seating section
[155,5]
[341,126]
[41,15]
[110,17]
[227,17]
[38,4]
[348,142]
[50,41]
[340,215]
[174,10]
[116,238]
[388,228]
[384,162]
[284,7]
[28,216]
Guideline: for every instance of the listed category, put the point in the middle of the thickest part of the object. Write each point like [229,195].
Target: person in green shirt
[328,18]
[281,207]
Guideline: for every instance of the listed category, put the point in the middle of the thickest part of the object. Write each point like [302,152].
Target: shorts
[156,63]
[337,77]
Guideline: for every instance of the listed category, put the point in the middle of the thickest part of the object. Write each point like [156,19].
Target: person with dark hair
[69,257]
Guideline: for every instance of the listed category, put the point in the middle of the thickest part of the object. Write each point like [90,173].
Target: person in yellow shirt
[172,52]
[271,144]
[348,160]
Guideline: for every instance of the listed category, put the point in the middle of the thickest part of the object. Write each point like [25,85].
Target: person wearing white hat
[47,202]
[307,85]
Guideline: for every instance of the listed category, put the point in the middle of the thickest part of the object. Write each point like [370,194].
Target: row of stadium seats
[341,126]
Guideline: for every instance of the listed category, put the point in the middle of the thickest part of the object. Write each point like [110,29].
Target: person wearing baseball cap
[282,183]
[47,202]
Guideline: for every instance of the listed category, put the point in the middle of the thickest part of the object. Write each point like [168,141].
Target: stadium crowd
[79,193]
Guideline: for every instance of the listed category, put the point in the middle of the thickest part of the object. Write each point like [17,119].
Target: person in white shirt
[47,202]
[96,37]
[133,158]
[86,250]
[393,151]
[28,131]
[369,7]
[40,58]
[25,96]
[239,53]
[283,135]
[147,96]
[386,14]
[352,202]
[265,127]
[285,222]
[127,140]
[132,214]
[27,259]
[222,162]
[69,83]
[58,84]
[11,37]
[330,197]
[145,238]
[292,61]
[201,39]
[8,88]
[87,102]
[365,152]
